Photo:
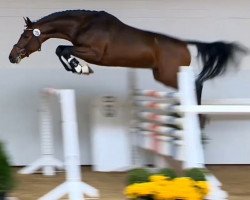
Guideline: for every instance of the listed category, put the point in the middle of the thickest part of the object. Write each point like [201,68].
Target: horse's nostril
[12,60]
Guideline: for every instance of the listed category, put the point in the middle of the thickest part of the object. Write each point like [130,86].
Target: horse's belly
[129,57]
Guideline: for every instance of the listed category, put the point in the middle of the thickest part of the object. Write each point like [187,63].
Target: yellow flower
[139,189]
[203,186]
[156,178]
[161,188]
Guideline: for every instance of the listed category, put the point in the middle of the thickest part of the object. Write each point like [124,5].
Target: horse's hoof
[91,71]
[88,72]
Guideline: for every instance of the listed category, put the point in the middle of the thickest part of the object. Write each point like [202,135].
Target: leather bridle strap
[23,51]
[37,36]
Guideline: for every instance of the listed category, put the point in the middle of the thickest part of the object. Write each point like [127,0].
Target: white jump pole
[216,109]
[136,153]
[73,185]
[47,162]
[192,149]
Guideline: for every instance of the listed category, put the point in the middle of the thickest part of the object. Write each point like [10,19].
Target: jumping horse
[100,38]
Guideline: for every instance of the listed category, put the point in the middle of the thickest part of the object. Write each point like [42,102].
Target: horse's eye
[26,36]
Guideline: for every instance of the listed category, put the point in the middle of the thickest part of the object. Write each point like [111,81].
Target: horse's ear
[28,22]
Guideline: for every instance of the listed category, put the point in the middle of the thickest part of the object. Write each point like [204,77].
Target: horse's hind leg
[199,87]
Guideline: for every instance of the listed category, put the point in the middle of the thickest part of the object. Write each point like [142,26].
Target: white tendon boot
[78,68]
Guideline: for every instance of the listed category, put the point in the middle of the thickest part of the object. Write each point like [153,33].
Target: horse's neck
[52,29]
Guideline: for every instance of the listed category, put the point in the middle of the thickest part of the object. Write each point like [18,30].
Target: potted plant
[196,174]
[139,175]
[6,179]
[164,184]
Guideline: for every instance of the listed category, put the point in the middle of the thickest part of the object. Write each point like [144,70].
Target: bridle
[23,51]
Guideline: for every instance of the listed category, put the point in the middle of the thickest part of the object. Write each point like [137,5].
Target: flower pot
[2,195]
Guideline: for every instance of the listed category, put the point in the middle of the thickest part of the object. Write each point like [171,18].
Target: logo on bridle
[36,32]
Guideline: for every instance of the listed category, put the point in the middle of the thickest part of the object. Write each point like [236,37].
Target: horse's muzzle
[14,60]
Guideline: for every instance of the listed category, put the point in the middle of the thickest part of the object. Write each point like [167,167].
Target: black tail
[215,58]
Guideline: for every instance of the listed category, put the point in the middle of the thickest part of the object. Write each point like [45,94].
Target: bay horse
[100,38]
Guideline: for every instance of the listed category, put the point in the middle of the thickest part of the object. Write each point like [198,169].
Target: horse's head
[29,42]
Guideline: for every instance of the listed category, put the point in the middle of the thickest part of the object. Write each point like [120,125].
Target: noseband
[23,51]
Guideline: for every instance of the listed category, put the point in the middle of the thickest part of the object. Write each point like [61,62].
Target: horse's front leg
[70,63]
[90,55]
[60,53]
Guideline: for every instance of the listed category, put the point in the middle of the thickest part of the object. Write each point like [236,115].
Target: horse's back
[124,45]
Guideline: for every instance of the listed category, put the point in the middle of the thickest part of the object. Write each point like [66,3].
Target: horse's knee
[62,50]
[59,50]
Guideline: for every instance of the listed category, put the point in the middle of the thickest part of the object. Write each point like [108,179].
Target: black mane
[67,12]
[55,15]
